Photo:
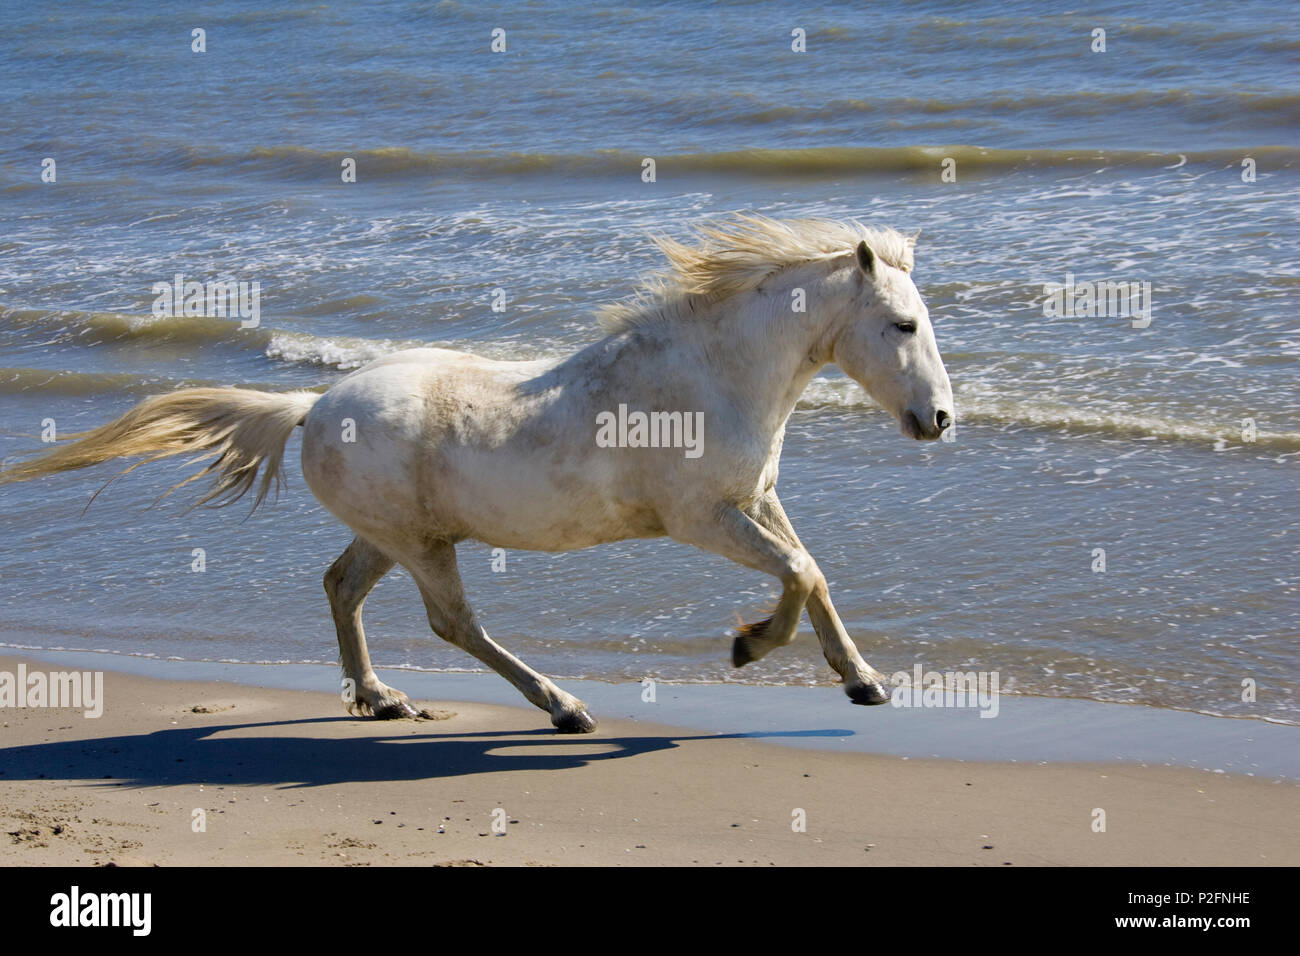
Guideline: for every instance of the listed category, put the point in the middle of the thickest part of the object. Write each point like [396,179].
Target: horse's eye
[906,327]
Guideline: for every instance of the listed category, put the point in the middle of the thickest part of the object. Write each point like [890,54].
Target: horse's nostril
[942,420]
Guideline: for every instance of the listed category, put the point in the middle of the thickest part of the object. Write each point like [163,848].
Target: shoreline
[1026,728]
[212,773]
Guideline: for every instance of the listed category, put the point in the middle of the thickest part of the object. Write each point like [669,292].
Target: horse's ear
[910,243]
[866,259]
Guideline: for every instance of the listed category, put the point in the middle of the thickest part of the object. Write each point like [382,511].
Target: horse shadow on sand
[213,755]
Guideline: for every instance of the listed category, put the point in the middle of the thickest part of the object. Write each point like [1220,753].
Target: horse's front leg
[862,682]
[730,532]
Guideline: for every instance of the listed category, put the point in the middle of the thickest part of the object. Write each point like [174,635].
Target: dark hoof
[397,710]
[741,653]
[868,694]
[579,723]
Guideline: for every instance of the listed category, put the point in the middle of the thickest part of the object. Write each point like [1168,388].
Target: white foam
[342,352]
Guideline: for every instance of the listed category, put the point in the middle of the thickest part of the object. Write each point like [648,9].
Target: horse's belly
[512,505]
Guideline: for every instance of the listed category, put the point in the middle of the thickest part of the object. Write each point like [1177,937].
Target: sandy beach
[282,777]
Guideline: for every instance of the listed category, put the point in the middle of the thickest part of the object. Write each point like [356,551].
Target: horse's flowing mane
[736,254]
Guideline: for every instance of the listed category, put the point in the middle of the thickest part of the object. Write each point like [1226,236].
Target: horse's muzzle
[914,428]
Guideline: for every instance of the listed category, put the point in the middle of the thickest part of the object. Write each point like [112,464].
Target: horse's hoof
[742,647]
[576,723]
[872,693]
[396,710]
[740,653]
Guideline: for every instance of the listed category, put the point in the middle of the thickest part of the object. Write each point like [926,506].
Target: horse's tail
[243,431]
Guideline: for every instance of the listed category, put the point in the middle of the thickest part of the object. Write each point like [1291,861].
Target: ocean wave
[77,325]
[18,381]
[345,352]
[1021,409]
[399,162]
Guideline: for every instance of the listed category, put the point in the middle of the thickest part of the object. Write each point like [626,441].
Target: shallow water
[522,171]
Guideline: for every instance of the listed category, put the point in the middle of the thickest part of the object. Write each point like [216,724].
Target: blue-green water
[522,170]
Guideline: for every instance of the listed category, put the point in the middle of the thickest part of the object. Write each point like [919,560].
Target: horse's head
[886,344]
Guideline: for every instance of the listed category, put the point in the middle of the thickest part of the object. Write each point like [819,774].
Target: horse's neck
[759,352]
[767,352]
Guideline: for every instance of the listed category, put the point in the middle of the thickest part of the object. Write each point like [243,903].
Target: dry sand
[283,778]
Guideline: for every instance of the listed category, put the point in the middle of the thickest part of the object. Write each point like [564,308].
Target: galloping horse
[428,447]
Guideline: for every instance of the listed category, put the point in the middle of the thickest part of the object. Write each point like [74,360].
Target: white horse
[428,447]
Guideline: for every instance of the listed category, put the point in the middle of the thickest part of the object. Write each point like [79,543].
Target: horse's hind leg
[862,682]
[347,583]
[453,620]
